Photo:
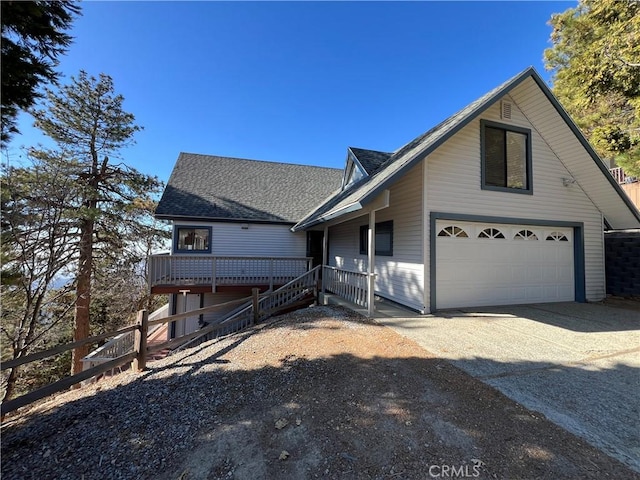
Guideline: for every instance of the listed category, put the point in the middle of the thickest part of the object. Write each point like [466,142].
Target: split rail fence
[250,311]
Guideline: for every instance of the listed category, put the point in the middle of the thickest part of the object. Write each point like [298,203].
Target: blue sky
[296,82]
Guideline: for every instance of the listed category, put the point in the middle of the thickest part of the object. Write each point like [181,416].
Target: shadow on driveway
[578,364]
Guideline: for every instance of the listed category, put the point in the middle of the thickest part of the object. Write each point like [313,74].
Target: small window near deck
[384,239]
[193,239]
[453,231]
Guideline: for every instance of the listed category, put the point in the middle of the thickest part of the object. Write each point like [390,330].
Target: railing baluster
[271,274]
[350,285]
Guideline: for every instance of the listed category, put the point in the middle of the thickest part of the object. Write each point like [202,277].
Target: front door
[314,246]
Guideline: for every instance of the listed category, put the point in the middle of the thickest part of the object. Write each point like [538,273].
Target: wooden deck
[208,273]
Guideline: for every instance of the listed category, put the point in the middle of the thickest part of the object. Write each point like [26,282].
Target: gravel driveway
[317,393]
[578,364]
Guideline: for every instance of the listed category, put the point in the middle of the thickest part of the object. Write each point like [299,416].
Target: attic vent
[505,112]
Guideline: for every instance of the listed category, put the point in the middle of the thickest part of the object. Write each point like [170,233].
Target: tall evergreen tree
[595,59]
[87,121]
[33,37]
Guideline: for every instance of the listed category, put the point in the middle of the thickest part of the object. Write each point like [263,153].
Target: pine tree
[87,121]
[33,37]
[595,59]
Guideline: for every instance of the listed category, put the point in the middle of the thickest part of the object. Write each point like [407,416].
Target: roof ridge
[256,160]
[371,150]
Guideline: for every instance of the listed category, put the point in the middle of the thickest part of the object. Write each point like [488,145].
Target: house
[504,202]
[231,221]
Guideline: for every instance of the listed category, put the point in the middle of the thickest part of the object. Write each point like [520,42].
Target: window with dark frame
[193,239]
[384,239]
[506,157]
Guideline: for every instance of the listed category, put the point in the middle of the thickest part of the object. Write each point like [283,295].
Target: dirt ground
[317,393]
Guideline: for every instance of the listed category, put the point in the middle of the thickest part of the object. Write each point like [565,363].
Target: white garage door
[496,264]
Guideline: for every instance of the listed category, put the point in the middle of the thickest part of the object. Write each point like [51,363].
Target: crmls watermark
[456,471]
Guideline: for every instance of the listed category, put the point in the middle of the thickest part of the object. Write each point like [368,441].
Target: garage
[479,264]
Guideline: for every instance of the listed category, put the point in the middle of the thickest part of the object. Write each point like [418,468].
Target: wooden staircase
[299,293]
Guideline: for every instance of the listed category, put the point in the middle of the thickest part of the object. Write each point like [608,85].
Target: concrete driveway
[578,364]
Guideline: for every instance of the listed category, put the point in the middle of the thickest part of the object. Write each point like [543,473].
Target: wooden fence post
[140,342]
[255,294]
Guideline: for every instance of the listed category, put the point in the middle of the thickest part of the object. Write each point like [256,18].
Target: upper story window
[384,239]
[192,239]
[506,157]
[352,175]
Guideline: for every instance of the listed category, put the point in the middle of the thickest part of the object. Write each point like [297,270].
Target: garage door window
[453,231]
[525,235]
[557,237]
[490,233]
[506,157]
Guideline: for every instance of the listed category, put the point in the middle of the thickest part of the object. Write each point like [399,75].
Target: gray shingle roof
[371,160]
[207,187]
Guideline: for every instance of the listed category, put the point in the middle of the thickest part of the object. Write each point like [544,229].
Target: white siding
[564,143]
[453,186]
[194,302]
[401,276]
[218,298]
[258,240]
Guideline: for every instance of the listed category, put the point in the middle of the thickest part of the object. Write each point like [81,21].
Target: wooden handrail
[63,348]
[356,287]
[176,342]
[197,312]
[212,308]
[365,274]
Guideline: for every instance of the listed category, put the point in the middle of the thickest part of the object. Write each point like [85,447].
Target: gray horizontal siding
[258,240]
[400,277]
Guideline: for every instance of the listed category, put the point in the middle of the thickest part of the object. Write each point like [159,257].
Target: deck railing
[120,344]
[287,294]
[621,177]
[212,270]
[352,286]
[618,174]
